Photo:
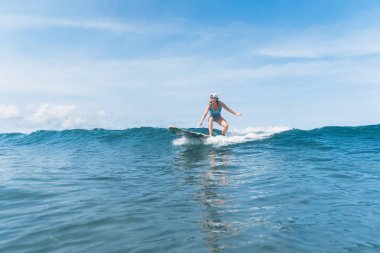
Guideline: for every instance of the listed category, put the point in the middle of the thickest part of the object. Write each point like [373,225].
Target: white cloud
[343,40]
[24,22]
[14,22]
[9,111]
[102,113]
[101,81]
[51,116]
[48,112]
[122,86]
[55,116]
[73,122]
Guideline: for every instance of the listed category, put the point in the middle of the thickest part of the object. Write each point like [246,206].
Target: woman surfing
[214,107]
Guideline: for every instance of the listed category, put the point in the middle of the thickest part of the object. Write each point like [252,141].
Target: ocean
[147,190]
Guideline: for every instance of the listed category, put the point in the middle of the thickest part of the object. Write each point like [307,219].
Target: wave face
[148,190]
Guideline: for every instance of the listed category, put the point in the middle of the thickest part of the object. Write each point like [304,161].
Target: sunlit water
[146,190]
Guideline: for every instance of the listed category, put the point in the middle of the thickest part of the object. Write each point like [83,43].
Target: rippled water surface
[146,190]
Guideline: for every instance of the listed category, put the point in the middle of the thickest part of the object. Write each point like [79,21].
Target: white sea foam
[187,141]
[234,137]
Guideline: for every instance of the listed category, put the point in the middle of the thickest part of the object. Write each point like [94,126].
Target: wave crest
[236,136]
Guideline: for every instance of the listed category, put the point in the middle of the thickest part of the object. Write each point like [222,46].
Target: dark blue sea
[147,190]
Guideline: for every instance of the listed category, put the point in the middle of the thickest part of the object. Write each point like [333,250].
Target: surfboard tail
[187,133]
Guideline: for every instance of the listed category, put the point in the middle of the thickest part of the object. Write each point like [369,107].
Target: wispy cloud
[50,116]
[17,22]
[97,78]
[51,112]
[9,111]
[89,90]
[344,40]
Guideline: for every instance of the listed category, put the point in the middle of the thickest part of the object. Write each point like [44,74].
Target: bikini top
[215,112]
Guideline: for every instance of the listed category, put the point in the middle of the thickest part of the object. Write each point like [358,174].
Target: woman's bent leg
[224,124]
[210,125]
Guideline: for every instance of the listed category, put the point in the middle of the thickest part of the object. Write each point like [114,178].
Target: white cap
[214,95]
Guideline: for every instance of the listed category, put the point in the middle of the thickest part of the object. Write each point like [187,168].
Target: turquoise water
[147,190]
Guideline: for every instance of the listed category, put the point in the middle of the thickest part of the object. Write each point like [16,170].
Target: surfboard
[187,133]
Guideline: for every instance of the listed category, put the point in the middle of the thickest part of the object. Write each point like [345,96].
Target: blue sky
[119,64]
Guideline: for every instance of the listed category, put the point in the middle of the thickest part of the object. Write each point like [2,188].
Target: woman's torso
[215,109]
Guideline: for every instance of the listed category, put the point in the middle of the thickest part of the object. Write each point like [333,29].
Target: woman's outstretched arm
[204,115]
[230,110]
